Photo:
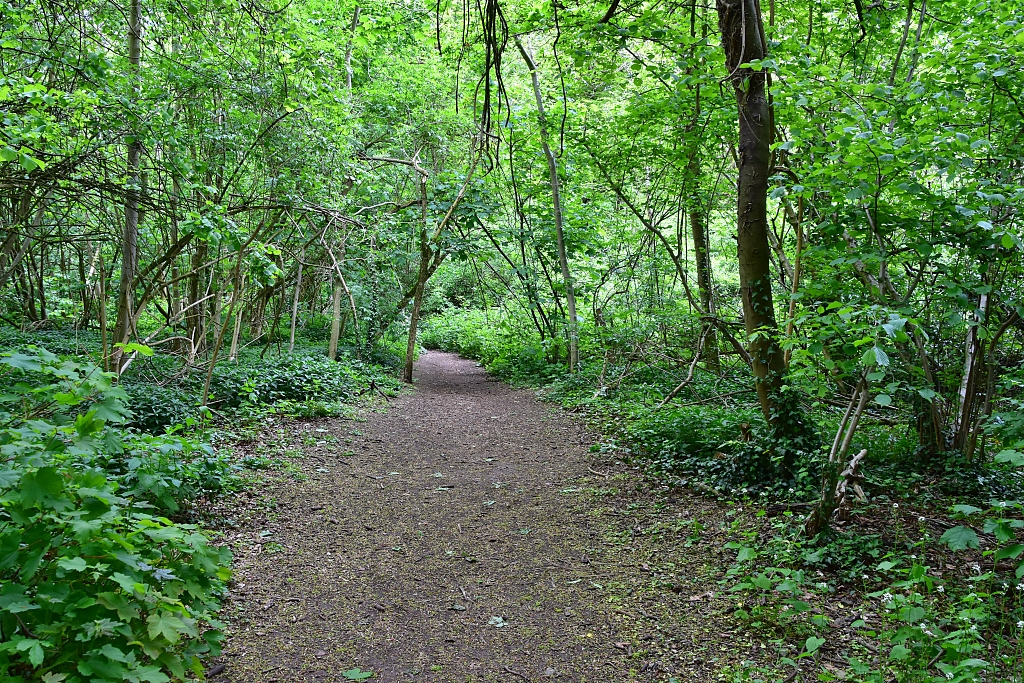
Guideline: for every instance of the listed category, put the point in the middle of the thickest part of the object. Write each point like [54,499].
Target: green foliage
[94,588]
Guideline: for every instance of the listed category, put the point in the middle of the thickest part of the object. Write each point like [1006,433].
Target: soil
[465,532]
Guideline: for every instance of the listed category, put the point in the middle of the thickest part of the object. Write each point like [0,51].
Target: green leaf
[899,653]
[883,399]
[1007,240]
[960,538]
[167,625]
[1010,551]
[40,486]
[746,553]
[74,564]
[912,614]
[356,674]
[966,510]
[1014,458]
[813,643]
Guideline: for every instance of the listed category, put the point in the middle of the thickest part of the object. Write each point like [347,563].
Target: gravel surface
[466,533]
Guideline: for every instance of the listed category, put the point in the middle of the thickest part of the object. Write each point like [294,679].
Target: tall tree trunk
[563,261]
[348,50]
[417,301]
[332,350]
[740,23]
[130,235]
[295,303]
[707,299]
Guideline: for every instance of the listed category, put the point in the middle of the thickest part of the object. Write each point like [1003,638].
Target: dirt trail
[469,538]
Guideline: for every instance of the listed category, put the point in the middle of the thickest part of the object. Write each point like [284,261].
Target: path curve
[454,545]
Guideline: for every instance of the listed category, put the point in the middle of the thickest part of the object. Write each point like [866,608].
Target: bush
[92,587]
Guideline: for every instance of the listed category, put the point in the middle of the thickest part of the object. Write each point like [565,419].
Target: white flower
[974,627]
[941,589]
[949,675]
[887,597]
[791,490]
[895,505]
[822,585]
[1020,624]
[865,577]
[1020,586]
[928,633]
[920,519]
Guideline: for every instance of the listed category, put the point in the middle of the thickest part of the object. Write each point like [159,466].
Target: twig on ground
[516,673]
[600,474]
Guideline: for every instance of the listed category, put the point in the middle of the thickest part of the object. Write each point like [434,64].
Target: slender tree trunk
[417,301]
[233,353]
[707,299]
[332,350]
[563,261]
[130,235]
[348,50]
[295,302]
[740,23]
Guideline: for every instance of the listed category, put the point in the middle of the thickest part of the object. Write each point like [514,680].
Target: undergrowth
[921,584]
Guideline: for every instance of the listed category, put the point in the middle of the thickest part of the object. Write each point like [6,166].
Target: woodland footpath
[770,255]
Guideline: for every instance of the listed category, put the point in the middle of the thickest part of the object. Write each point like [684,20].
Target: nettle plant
[92,586]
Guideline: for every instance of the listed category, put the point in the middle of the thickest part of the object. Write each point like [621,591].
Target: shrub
[92,587]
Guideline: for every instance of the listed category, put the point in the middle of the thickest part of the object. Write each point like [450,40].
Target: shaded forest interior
[770,253]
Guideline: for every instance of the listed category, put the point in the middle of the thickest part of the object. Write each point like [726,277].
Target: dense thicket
[780,246]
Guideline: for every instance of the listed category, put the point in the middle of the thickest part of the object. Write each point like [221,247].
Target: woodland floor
[465,532]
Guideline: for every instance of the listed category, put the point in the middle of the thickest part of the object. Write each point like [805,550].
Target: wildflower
[865,577]
[1020,586]
[928,633]
[791,490]
[822,585]
[974,627]
[920,519]
[1020,624]
[949,675]
[887,597]
[941,589]
[895,506]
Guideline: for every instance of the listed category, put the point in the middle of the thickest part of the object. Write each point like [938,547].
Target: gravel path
[468,538]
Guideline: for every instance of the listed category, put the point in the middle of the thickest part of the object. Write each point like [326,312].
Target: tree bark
[740,23]
[295,303]
[332,350]
[130,235]
[417,301]
[563,261]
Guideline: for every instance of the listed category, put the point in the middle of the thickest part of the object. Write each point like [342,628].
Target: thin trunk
[740,23]
[414,317]
[332,349]
[972,383]
[820,517]
[233,354]
[563,261]
[295,303]
[130,235]
[797,271]
[103,312]
[348,51]
[707,301]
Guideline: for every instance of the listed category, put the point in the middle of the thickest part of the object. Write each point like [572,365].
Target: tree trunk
[417,301]
[707,300]
[130,235]
[332,350]
[295,303]
[740,23]
[563,261]
[348,50]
